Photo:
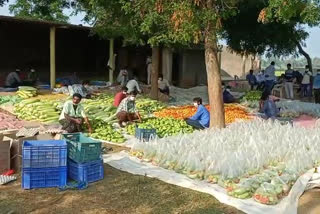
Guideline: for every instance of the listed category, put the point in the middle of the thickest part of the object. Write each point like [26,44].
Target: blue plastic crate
[44,153]
[145,134]
[86,172]
[44,177]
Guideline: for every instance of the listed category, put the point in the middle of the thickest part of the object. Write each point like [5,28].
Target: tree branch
[305,54]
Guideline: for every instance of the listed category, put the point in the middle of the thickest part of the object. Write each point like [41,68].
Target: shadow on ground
[118,193]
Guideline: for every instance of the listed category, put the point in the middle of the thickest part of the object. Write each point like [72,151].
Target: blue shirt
[270,109]
[251,79]
[227,97]
[289,75]
[202,115]
[316,82]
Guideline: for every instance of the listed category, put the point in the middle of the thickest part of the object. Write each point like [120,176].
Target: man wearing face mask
[227,96]
[163,85]
[201,119]
[73,115]
[127,111]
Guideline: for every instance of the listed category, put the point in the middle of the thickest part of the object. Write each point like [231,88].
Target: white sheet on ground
[184,96]
[287,205]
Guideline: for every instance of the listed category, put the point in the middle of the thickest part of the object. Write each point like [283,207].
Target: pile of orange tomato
[232,112]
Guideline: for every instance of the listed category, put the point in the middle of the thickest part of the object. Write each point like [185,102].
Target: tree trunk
[243,66]
[155,72]
[214,80]
[305,54]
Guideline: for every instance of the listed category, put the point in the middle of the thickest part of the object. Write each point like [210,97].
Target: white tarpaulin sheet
[287,205]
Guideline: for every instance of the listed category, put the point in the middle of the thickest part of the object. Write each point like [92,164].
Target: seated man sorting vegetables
[127,109]
[201,119]
[73,115]
[268,106]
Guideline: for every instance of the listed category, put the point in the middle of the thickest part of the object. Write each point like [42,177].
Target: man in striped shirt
[127,111]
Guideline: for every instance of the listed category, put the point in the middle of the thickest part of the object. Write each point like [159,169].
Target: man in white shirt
[133,85]
[73,115]
[306,83]
[270,77]
[163,85]
[13,80]
[149,69]
[123,76]
[288,82]
[260,80]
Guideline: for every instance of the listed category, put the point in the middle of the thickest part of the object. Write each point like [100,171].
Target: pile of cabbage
[259,159]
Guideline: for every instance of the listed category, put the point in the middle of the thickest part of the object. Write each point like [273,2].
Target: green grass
[119,192]
[279,73]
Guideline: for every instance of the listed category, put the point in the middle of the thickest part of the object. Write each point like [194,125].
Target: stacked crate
[84,158]
[44,164]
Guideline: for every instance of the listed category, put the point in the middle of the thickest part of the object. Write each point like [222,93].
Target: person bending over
[201,119]
[127,111]
[73,115]
[120,96]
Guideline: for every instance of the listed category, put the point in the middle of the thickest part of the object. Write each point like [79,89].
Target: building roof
[42,22]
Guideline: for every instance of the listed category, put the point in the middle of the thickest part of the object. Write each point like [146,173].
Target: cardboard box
[16,152]
[16,149]
[4,155]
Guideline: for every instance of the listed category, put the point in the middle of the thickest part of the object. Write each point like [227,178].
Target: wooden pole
[111,60]
[155,72]
[220,60]
[52,57]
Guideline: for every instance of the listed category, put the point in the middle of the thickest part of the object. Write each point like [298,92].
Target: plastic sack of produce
[137,149]
[267,194]
[285,182]
[244,189]
[194,169]
[149,153]
[226,182]
[212,175]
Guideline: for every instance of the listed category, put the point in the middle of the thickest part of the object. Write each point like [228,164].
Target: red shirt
[118,98]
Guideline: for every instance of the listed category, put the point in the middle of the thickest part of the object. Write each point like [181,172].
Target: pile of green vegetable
[100,108]
[252,96]
[38,110]
[147,106]
[26,92]
[164,126]
[10,99]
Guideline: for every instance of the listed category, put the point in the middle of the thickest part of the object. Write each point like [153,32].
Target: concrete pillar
[52,57]
[167,64]
[111,60]
[243,66]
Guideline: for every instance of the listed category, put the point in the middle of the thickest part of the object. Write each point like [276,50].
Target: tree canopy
[49,10]
[244,34]
[301,11]
[2,2]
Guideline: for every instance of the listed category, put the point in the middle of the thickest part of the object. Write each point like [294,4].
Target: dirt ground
[123,193]
[309,202]
[117,193]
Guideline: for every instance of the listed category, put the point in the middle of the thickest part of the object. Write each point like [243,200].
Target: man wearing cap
[73,115]
[13,80]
